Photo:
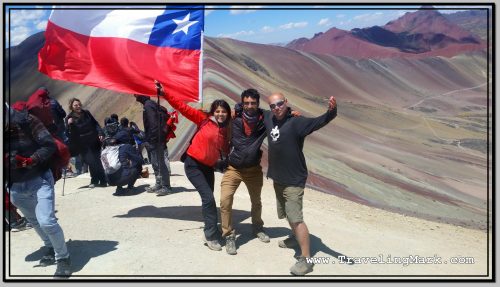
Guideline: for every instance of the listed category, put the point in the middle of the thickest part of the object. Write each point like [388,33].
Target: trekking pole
[64,179]
[158,93]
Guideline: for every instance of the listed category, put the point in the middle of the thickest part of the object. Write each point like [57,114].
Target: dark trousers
[92,157]
[202,178]
[124,176]
[162,176]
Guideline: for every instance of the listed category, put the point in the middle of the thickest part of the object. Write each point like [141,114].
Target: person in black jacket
[85,136]
[125,133]
[287,168]
[130,165]
[58,114]
[247,134]
[31,184]
[156,144]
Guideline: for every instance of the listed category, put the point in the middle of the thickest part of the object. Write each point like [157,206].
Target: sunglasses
[278,104]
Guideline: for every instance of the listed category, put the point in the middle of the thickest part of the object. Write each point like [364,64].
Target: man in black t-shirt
[287,168]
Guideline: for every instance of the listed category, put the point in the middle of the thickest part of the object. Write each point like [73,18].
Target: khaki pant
[289,201]
[253,179]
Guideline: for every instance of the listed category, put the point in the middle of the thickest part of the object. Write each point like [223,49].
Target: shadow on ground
[81,251]
[142,188]
[189,213]
[245,235]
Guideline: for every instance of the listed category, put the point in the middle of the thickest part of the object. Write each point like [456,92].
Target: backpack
[60,159]
[110,160]
[111,129]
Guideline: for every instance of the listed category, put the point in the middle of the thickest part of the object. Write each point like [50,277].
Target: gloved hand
[22,161]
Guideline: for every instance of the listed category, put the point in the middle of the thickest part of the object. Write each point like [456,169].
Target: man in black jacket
[156,144]
[248,133]
[31,184]
[287,168]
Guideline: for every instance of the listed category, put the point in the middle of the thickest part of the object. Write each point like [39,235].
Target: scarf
[249,122]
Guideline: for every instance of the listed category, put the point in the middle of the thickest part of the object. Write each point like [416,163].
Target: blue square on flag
[179,28]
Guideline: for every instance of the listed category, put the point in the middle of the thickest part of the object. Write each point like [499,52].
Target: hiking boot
[154,188]
[103,184]
[49,258]
[212,244]
[164,191]
[19,225]
[261,235]
[289,242]
[231,245]
[120,191]
[301,267]
[63,268]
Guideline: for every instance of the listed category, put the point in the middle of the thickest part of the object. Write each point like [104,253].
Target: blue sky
[257,24]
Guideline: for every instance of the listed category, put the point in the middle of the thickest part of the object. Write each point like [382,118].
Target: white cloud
[237,34]
[292,25]
[345,23]
[369,16]
[42,25]
[19,34]
[24,23]
[243,9]
[267,29]
[23,17]
[340,16]
[325,22]
[450,11]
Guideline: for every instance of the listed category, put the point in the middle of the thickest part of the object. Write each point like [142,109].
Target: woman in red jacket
[209,143]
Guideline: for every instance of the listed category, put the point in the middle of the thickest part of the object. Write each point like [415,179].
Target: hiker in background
[15,222]
[247,134]
[31,183]
[58,115]
[114,117]
[208,145]
[129,163]
[139,137]
[85,136]
[155,143]
[288,170]
[125,134]
[111,127]
[80,166]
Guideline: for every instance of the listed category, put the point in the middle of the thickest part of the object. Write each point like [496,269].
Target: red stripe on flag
[119,64]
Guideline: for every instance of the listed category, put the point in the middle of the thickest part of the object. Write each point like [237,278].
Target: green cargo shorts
[289,202]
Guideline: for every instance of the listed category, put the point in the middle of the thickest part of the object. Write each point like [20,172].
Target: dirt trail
[144,235]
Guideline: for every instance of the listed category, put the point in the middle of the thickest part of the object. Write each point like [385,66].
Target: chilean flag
[126,50]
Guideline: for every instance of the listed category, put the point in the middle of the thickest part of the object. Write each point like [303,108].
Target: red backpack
[39,105]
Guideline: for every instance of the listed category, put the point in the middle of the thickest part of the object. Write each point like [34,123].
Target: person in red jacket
[209,144]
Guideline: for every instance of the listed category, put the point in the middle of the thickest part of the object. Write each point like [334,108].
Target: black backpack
[111,129]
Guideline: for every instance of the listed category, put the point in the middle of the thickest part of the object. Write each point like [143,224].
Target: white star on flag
[184,24]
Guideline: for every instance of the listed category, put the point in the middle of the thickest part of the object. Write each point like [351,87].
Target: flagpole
[200,75]
[158,92]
